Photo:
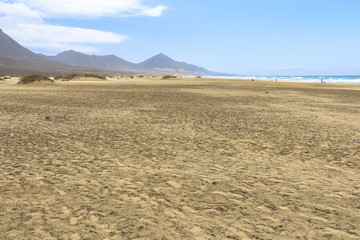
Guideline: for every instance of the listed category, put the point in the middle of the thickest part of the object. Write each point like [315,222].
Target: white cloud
[154,12]
[25,21]
[93,8]
[27,27]
[19,10]
[66,34]
[62,38]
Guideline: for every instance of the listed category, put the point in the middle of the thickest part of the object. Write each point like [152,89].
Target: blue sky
[250,37]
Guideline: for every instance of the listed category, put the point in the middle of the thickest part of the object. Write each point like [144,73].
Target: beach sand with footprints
[179,159]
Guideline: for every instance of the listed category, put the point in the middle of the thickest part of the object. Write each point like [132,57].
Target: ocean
[310,79]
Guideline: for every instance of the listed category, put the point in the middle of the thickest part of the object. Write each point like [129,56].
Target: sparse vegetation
[198,77]
[34,78]
[71,76]
[4,77]
[168,77]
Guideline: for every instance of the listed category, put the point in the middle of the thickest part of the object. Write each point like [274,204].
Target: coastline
[309,79]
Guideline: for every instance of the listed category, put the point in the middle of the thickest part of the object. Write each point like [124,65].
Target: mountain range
[16,59]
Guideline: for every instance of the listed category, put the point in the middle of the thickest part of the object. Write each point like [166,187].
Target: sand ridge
[179,159]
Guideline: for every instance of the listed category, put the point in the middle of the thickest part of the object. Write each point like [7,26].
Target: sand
[180,159]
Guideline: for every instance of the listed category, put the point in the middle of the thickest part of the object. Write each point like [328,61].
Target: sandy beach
[179,159]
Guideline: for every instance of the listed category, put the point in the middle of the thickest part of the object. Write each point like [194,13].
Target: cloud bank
[26,22]
[93,8]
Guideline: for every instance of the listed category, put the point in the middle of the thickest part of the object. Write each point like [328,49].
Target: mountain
[157,64]
[10,49]
[16,59]
[162,63]
[92,61]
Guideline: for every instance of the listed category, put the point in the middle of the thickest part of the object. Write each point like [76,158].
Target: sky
[246,37]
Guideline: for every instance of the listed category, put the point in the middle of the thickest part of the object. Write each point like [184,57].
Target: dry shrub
[4,77]
[72,76]
[168,77]
[34,78]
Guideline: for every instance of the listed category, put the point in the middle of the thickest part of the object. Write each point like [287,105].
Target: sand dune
[179,159]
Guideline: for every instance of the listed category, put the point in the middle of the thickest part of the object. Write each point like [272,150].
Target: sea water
[310,79]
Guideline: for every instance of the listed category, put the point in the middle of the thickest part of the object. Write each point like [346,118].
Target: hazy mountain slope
[10,49]
[104,62]
[16,59]
[162,63]
[157,64]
